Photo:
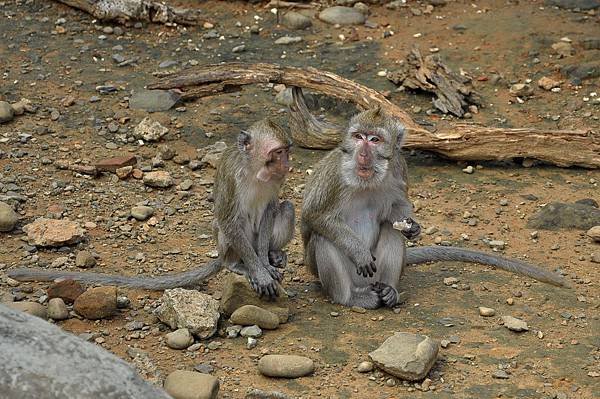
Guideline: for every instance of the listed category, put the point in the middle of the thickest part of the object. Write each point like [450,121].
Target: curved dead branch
[460,142]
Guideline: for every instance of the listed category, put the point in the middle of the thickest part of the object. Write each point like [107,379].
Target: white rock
[514,324]
[150,130]
[190,309]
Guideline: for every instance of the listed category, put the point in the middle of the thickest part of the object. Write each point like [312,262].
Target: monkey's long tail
[184,279]
[416,255]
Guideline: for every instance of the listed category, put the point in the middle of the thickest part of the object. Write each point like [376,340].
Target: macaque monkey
[251,226]
[356,194]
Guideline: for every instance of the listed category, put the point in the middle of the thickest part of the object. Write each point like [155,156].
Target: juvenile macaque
[357,193]
[251,226]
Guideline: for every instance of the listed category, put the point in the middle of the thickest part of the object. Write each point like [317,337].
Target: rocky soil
[132,191]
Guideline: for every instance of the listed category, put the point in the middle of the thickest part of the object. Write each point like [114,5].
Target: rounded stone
[8,217]
[249,315]
[486,312]
[179,339]
[286,366]
[342,16]
[295,20]
[85,260]
[365,367]
[593,233]
[33,308]
[251,331]
[97,303]
[6,112]
[158,179]
[183,384]
[142,212]
[57,310]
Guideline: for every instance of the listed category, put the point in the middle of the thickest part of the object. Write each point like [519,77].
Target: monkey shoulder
[322,191]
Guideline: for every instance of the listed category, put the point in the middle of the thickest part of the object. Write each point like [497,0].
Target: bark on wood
[430,74]
[136,10]
[461,141]
[39,360]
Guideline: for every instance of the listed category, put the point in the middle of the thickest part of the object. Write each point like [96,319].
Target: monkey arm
[265,231]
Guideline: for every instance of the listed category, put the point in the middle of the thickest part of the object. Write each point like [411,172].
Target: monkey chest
[363,217]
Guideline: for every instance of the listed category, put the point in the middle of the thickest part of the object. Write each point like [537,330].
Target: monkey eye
[374,139]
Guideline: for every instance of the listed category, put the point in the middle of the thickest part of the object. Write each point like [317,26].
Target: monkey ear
[244,141]
[377,110]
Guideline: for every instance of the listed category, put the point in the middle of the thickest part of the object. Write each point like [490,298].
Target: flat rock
[32,308]
[53,232]
[295,20]
[182,384]
[85,260]
[407,356]
[251,332]
[179,339]
[572,4]
[8,217]
[112,164]
[57,310]
[97,303]
[286,366]
[142,212]
[514,324]
[237,292]
[249,315]
[153,100]
[6,112]
[547,83]
[594,233]
[67,290]
[158,179]
[557,215]
[190,309]
[150,130]
[342,16]
[288,40]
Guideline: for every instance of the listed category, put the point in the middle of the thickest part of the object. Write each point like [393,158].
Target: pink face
[365,143]
[276,165]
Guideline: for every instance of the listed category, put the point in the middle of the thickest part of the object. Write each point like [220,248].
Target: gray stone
[252,342]
[248,315]
[295,20]
[558,215]
[260,394]
[581,71]
[233,331]
[85,260]
[486,312]
[6,112]
[57,310]
[189,309]
[571,4]
[237,292]
[594,233]
[204,368]
[342,16]
[286,366]
[32,308]
[251,331]
[407,356]
[500,374]
[39,360]
[521,90]
[183,384]
[179,339]
[142,212]
[158,179]
[150,130]
[288,40]
[53,232]
[154,100]
[8,217]
[514,324]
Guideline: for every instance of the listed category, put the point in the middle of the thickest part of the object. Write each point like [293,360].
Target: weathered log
[39,360]
[461,141]
[136,10]
[452,91]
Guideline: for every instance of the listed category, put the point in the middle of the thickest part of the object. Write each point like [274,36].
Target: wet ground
[54,55]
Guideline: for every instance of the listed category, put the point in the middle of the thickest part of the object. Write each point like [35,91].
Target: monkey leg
[339,278]
[390,254]
[283,232]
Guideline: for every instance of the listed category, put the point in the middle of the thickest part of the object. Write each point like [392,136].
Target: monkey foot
[275,272]
[262,282]
[387,293]
[278,258]
[409,228]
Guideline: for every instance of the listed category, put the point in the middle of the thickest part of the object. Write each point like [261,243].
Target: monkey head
[266,147]
[371,141]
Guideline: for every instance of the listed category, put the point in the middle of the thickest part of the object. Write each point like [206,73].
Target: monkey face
[276,164]
[365,145]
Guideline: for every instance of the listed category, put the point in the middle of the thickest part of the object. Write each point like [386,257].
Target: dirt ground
[46,60]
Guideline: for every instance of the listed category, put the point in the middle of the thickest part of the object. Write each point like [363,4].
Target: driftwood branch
[136,10]
[460,142]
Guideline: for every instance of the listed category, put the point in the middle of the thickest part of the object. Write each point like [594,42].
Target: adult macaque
[358,191]
[251,226]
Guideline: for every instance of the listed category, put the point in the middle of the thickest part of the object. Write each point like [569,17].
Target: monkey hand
[366,267]
[387,293]
[408,227]
[263,283]
[274,272]
[278,258]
